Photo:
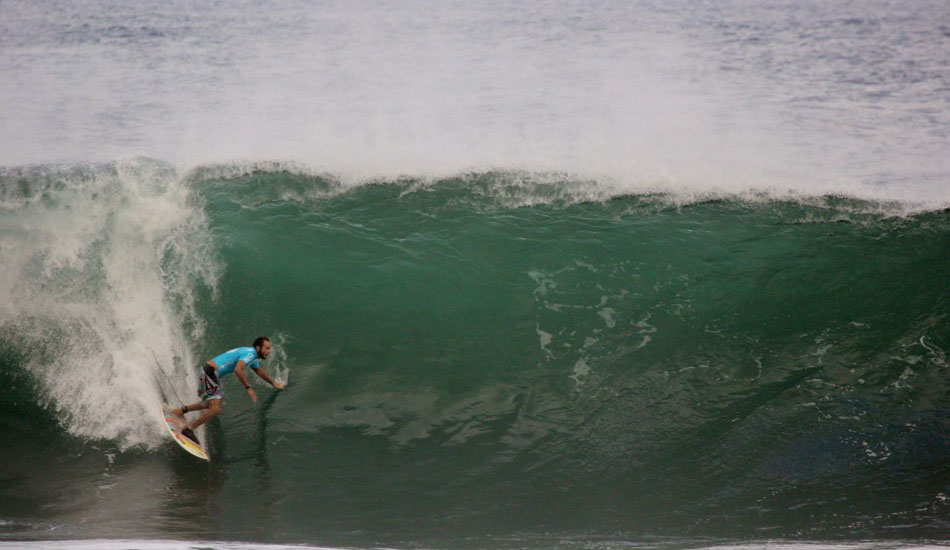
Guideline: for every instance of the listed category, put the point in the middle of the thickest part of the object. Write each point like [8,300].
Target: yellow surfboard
[175,423]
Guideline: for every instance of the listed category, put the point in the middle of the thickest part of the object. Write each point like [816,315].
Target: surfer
[209,388]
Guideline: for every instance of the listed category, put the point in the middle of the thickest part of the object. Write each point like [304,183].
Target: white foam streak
[89,298]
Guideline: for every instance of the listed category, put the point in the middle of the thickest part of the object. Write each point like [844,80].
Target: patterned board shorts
[208,386]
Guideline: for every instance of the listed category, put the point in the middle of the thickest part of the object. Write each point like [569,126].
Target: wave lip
[515,188]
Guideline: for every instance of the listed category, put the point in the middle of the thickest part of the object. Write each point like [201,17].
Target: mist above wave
[702,98]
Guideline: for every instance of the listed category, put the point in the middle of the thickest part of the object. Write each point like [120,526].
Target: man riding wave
[209,388]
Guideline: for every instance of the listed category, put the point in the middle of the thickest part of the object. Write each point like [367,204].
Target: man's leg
[199,406]
[209,390]
[212,408]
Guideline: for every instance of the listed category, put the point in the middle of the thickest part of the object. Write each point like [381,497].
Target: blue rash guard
[229,359]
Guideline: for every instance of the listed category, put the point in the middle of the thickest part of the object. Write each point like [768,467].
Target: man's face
[265,350]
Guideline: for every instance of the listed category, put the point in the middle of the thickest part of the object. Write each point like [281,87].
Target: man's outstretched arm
[260,372]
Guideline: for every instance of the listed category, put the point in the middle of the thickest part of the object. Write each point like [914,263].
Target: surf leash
[160,368]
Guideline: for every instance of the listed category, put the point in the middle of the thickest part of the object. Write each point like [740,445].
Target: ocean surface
[538,275]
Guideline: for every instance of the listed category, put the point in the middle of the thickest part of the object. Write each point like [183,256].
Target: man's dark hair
[260,341]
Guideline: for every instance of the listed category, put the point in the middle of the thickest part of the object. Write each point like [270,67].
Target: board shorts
[209,387]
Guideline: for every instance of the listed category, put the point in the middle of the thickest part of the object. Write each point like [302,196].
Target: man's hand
[279,385]
[250,391]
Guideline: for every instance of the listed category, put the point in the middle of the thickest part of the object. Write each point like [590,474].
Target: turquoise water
[538,275]
[490,355]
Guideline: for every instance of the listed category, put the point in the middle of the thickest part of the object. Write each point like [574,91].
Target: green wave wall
[607,362]
[515,353]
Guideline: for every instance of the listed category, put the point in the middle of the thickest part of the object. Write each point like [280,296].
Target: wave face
[497,352]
